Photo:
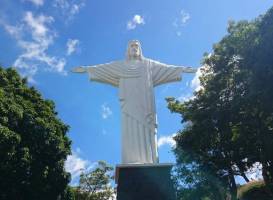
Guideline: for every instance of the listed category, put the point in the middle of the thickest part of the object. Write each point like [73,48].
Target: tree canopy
[33,143]
[96,184]
[228,125]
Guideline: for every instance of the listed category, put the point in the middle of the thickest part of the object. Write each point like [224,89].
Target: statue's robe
[136,80]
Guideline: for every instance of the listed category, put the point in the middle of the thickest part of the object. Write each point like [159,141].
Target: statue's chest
[137,67]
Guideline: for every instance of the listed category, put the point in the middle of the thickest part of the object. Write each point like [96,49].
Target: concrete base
[144,182]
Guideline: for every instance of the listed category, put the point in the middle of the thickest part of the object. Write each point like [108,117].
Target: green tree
[96,184]
[194,181]
[33,143]
[228,125]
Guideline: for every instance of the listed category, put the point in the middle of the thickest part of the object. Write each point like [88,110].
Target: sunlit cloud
[166,140]
[105,111]
[181,21]
[72,45]
[36,2]
[255,172]
[69,8]
[135,21]
[195,83]
[76,165]
[34,36]
[186,96]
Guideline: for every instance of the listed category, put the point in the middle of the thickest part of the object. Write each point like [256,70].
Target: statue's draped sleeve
[109,73]
[163,73]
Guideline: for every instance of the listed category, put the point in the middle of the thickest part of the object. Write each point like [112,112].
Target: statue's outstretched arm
[165,73]
[189,70]
[80,70]
[184,69]
[105,73]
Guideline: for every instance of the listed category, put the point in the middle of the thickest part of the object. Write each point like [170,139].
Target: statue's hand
[79,70]
[189,70]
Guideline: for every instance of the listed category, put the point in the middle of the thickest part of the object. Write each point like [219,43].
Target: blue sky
[44,39]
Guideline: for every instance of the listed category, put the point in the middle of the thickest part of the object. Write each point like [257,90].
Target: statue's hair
[128,56]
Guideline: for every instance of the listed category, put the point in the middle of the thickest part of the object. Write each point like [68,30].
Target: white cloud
[178,33]
[34,37]
[135,21]
[72,45]
[186,97]
[105,111]
[37,24]
[195,83]
[195,86]
[104,132]
[36,2]
[181,21]
[14,31]
[184,17]
[255,172]
[69,8]
[75,165]
[166,140]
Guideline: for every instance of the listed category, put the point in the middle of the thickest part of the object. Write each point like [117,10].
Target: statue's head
[134,51]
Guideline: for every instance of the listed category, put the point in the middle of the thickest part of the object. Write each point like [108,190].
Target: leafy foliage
[33,142]
[96,184]
[228,125]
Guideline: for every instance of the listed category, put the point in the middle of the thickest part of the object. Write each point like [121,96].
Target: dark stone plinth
[144,182]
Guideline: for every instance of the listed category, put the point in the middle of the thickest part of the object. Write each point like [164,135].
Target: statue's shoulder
[151,63]
[119,61]
[114,64]
[147,61]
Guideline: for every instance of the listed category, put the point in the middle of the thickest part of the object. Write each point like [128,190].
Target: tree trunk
[232,184]
[267,173]
[244,176]
[242,172]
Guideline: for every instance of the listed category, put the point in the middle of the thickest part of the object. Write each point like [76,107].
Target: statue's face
[134,49]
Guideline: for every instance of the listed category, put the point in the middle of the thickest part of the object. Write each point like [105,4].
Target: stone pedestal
[144,182]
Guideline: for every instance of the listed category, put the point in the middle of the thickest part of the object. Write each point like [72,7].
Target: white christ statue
[136,77]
